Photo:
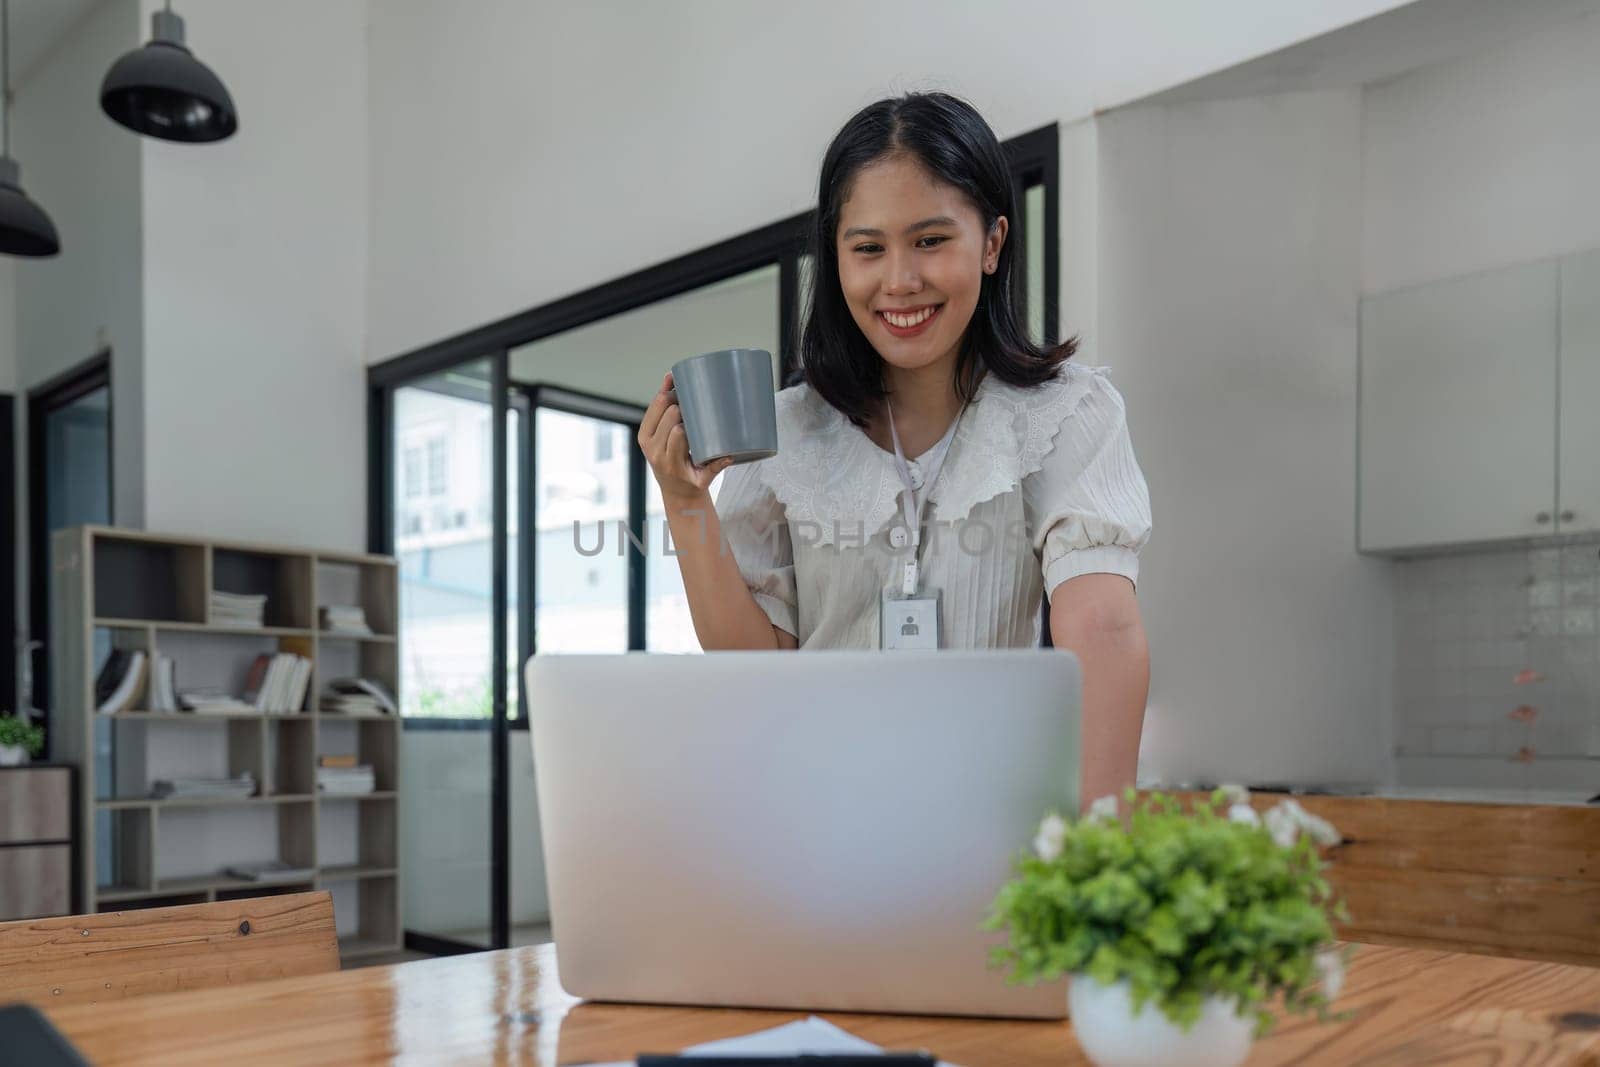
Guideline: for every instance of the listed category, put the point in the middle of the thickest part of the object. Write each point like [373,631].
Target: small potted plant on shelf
[1176,927]
[19,740]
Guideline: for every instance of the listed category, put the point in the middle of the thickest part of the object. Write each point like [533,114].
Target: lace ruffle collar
[830,474]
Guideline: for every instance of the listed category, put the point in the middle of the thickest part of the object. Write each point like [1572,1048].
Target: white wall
[1228,272]
[85,171]
[1484,161]
[521,152]
[255,260]
[1142,46]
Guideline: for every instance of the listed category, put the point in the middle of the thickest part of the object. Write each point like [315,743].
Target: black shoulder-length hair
[948,137]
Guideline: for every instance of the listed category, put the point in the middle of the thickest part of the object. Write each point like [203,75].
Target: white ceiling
[36,27]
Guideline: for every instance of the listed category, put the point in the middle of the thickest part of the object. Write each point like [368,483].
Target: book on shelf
[121,681]
[269,871]
[336,761]
[163,685]
[347,781]
[243,785]
[238,609]
[110,676]
[357,696]
[278,683]
[344,619]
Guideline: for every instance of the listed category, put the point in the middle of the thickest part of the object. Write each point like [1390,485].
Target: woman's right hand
[665,444]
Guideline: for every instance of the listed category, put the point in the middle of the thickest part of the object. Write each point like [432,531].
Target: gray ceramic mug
[726,399]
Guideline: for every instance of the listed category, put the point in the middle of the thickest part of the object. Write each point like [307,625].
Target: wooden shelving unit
[115,588]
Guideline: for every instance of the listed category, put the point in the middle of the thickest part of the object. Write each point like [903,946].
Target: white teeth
[906,321]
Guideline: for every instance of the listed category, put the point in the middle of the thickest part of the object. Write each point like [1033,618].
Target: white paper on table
[811,1035]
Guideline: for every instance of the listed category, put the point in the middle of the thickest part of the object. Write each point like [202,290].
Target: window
[413,473]
[438,464]
[585,462]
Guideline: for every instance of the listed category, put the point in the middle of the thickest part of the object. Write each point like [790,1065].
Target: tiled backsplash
[1499,655]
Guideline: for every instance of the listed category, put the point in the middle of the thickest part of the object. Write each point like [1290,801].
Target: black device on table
[28,1040]
[824,1059]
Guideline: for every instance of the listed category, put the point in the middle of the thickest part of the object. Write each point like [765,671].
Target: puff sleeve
[1087,506]
[756,530]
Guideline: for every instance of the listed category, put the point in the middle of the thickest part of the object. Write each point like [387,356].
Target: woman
[1023,483]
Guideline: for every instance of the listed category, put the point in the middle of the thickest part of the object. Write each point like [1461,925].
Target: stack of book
[343,776]
[181,788]
[212,702]
[270,871]
[357,696]
[344,619]
[238,609]
[278,683]
[121,681]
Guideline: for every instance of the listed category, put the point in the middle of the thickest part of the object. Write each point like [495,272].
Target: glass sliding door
[580,504]
[69,484]
[70,469]
[443,440]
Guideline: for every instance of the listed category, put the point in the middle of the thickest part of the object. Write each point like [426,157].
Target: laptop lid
[817,830]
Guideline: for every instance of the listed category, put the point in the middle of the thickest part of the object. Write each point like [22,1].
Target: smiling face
[912,256]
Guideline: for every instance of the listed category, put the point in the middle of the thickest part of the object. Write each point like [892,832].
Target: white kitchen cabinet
[1578,490]
[1458,411]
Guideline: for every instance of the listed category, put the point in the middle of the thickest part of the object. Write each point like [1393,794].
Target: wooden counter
[1520,880]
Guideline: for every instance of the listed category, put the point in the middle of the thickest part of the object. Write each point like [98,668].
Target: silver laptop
[811,830]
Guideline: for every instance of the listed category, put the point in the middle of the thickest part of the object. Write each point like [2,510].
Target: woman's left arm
[1097,617]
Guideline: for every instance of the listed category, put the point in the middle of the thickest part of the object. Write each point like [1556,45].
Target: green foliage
[15,731]
[1182,906]
[476,702]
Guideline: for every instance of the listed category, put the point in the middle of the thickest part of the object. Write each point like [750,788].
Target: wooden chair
[84,959]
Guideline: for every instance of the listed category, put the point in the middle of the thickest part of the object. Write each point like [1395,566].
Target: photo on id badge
[909,622]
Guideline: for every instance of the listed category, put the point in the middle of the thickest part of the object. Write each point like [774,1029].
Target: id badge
[909,622]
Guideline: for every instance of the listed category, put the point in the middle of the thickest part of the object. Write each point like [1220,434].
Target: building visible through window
[413,476]
[438,464]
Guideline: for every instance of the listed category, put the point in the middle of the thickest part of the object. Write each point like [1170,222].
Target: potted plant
[18,740]
[1176,928]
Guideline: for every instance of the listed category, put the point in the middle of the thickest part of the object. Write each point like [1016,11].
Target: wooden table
[1410,1006]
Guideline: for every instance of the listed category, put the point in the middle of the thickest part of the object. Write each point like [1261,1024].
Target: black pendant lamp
[25,230]
[162,90]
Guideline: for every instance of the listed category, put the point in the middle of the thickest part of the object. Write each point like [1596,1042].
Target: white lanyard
[911,505]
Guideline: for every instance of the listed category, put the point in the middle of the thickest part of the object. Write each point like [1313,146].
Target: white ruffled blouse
[1039,485]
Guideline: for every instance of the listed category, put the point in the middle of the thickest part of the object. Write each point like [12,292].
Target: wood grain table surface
[1406,1006]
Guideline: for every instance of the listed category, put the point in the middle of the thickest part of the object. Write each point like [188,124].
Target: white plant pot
[1113,1036]
[13,755]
